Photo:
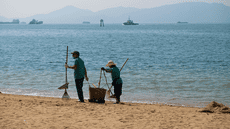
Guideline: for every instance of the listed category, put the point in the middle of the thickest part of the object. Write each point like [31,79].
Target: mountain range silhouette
[191,12]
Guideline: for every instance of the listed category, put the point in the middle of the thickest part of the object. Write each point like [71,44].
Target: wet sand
[21,112]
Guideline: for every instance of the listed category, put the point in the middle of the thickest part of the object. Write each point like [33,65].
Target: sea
[169,64]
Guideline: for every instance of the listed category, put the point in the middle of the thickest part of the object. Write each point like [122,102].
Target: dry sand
[21,112]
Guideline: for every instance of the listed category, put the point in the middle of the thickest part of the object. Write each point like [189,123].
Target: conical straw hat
[110,63]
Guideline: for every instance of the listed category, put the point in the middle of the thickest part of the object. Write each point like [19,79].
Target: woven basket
[97,93]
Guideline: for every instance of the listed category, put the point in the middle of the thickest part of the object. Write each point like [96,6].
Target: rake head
[65,95]
[109,94]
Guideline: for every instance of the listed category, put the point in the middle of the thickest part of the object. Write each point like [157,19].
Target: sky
[27,8]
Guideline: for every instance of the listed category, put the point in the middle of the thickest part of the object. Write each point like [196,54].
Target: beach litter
[215,107]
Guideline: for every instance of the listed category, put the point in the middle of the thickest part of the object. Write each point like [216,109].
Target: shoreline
[24,111]
[126,101]
[180,103]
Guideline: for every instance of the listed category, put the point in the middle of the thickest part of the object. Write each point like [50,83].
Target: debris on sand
[215,107]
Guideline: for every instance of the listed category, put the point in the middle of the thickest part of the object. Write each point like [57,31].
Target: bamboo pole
[124,63]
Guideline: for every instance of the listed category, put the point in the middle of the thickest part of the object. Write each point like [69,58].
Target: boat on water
[181,22]
[15,21]
[130,22]
[36,22]
[85,22]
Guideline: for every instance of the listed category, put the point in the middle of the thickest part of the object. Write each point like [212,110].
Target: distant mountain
[195,12]
[66,15]
[118,11]
[192,12]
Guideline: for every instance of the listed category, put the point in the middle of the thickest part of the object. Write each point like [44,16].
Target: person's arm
[86,77]
[71,67]
[107,70]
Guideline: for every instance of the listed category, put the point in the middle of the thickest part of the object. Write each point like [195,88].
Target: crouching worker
[79,73]
[117,81]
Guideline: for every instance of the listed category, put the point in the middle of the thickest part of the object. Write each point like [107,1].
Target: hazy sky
[26,8]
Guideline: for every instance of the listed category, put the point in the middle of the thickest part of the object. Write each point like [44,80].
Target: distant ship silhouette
[15,21]
[36,22]
[85,22]
[130,22]
[181,22]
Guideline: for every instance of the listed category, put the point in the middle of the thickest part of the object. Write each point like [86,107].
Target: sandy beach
[21,112]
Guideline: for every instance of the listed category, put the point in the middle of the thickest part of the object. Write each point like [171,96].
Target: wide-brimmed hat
[75,52]
[110,63]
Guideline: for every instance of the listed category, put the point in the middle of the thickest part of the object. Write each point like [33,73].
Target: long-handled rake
[65,86]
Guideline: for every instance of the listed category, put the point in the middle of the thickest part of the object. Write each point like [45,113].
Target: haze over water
[185,64]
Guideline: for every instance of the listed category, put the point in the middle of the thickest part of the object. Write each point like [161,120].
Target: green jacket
[79,73]
[115,72]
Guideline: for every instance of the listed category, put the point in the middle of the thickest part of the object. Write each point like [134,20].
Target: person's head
[111,64]
[76,54]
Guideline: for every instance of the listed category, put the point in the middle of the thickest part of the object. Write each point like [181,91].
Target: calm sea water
[179,64]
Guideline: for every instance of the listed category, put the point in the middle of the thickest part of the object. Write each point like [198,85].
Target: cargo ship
[130,22]
[85,22]
[15,21]
[181,22]
[36,22]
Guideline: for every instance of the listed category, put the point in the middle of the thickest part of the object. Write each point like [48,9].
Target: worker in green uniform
[117,81]
[79,73]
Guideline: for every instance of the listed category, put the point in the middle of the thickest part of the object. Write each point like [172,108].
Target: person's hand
[87,79]
[66,66]
[102,68]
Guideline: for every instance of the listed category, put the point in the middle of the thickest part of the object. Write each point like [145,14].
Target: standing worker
[79,73]
[117,81]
